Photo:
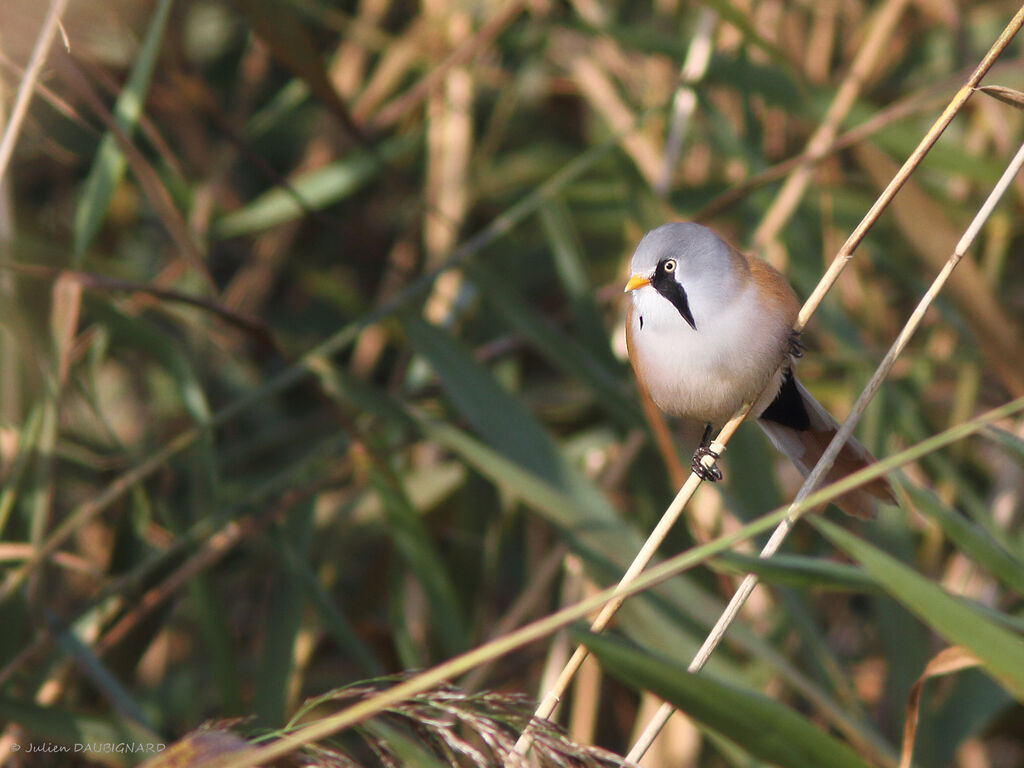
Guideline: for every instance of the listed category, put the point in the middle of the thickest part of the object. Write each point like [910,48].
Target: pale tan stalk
[999,335]
[322,728]
[684,103]
[449,149]
[657,536]
[598,88]
[792,192]
[622,591]
[28,83]
[828,458]
[955,105]
[10,375]
[397,109]
[537,589]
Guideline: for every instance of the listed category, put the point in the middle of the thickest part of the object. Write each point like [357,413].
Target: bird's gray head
[686,264]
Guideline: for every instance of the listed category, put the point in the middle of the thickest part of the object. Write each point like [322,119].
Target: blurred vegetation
[312,371]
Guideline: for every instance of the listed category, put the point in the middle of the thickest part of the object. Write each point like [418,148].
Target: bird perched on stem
[710,329]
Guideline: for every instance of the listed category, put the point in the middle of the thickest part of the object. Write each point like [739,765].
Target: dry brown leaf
[1006,95]
[198,748]
[64,313]
[945,662]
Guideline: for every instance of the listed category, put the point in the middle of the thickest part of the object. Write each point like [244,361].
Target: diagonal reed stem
[297,371]
[684,103]
[657,536]
[785,204]
[955,105]
[28,82]
[493,649]
[828,458]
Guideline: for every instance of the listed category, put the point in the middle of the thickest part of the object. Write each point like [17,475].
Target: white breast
[708,373]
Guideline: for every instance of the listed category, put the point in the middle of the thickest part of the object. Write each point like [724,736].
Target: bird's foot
[709,474]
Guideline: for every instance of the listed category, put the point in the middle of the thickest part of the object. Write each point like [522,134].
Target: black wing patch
[788,408]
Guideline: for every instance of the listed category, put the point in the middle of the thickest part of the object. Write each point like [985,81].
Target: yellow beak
[636,281]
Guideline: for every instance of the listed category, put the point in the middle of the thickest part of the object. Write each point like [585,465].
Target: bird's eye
[670,265]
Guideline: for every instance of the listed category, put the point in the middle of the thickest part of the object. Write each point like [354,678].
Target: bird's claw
[709,474]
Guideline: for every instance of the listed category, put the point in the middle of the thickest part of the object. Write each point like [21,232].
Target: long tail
[801,428]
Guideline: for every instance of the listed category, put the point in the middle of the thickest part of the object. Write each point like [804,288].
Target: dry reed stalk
[56,102]
[582,721]
[424,681]
[597,87]
[681,740]
[529,600]
[586,692]
[28,83]
[867,57]
[11,411]
[684,103]
[395,110]
[449,151]
[821,40]
[845,432]
[911,163]
[885,117]
[657,536]
[395,62]
[677,471]
[643,558]
[211,551]
[347,69]
[998,333]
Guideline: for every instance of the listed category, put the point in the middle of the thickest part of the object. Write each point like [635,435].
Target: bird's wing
[801,428]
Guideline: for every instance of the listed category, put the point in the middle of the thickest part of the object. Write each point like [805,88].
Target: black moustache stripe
[667,286]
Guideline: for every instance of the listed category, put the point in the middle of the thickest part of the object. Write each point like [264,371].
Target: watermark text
[95,747]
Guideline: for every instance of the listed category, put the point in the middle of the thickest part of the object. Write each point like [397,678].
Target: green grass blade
[970,538]
[284,103]
[570,266]
[561,350]
[497,416]
[101,677]
[798,571]
[109,164]
[71,729]
[781,736]
[312,191]
[413,541]
[333,620]
[282,622]
[1007,440]
[27,446]
[1000,651]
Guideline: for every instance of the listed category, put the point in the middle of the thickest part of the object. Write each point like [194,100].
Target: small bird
[710,329]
